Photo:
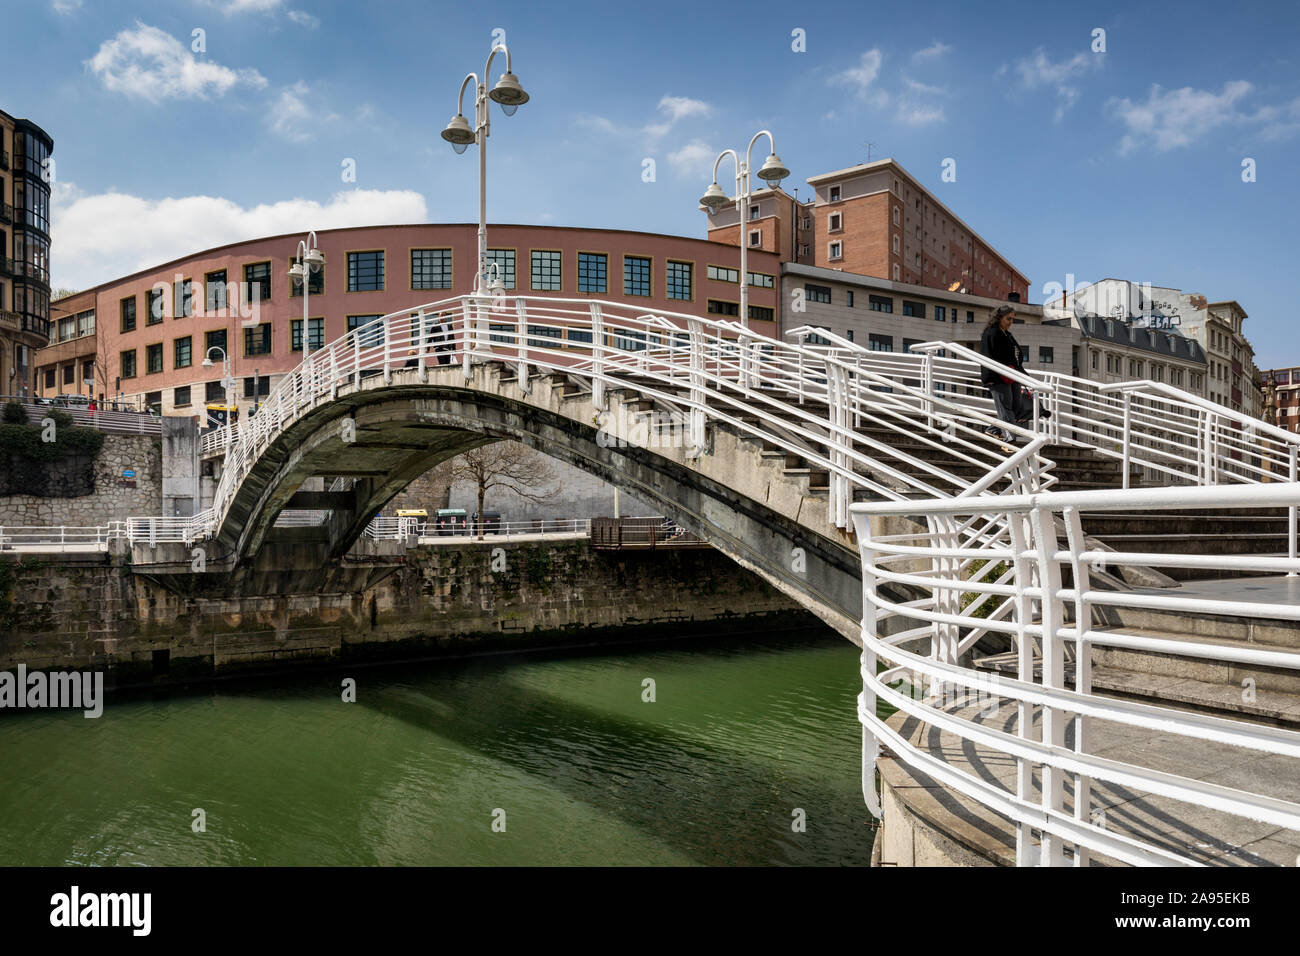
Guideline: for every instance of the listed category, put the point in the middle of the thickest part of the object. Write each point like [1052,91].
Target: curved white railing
[1041,594]
[808,401]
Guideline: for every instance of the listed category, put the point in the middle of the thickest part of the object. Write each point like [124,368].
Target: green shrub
[15,414]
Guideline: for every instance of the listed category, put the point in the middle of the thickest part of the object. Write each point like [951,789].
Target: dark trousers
[1010,402]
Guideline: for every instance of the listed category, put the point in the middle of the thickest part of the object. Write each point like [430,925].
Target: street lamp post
[309,260]
[714,199]
[511,96]
[228,382]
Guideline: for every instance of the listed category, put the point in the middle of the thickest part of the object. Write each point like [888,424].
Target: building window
[366,271]
[315,333]
[753,212]
[898,215]
[908,343]
[848,298]
[897,272]
[127,312]
[834,194]
[70,372]
[374,331]
[723,274]
[505,261]
[970,316]
[257,340]
[761,313]
[153,359]
[940,314]
[181,396]
[880,343]
[183,292]
[214,286]
[214,339]
[914,308]
[636,275]
[593,272]
[258,387]
[153,400]
[717,307]
[679,280]
[917,257]
[183,352]
[761,280]
[755,238]
[1094,361]
[880,303]
[315,281]
[546,276]
[1046,355]
[896,244]
[835,222]
[125,361]
[214,392]
[155,307]
[817,293]
[834,250]
[430,268]
[257,282]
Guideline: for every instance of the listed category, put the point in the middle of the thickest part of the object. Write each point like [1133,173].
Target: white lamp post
[714,199]
[309,260]
[228,383]
[511,96]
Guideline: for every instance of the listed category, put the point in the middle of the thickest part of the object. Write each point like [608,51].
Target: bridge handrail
[1041,564]
[720,355]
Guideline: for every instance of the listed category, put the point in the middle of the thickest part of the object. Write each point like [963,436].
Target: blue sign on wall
[128,472]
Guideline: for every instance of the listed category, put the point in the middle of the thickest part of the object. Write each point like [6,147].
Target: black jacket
[1001,347]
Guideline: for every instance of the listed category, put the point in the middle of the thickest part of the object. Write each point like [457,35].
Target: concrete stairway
[1267,694]
[1193,532]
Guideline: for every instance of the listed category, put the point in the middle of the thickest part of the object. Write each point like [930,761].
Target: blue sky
[1126,163]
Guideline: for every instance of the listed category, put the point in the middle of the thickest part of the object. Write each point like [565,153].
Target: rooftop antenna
[869,145]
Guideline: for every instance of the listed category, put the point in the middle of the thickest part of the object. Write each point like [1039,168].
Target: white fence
[999,566]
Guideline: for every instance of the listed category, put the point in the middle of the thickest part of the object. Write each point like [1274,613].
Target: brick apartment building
[876,219]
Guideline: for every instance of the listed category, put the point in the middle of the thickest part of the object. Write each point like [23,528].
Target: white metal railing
[1038,591]
[385,527]
[810,401]
[59,537]
[105,420]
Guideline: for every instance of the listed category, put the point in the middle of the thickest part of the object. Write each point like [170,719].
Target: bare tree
[508,465]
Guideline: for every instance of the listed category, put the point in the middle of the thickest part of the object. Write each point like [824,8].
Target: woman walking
[1009,399]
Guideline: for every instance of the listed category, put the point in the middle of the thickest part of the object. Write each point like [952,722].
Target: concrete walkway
[1212,838]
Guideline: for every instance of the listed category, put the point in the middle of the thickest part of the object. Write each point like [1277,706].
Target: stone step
[1212,696]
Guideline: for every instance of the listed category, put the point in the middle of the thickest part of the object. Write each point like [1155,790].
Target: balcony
[23,270]
[21,322]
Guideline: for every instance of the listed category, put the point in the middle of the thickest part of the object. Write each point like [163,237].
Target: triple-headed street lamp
[511,96]
[309,260]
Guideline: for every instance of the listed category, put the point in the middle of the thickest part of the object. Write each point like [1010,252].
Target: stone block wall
[115,497]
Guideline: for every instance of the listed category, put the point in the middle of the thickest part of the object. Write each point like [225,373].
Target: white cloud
[914,86]
[600,124]
[695,158]
[1038,72]
[152,65]
[65,8]
[933,51]
[863,77]
[304,19]
[291,118]
[232,7]
[1168,119]
[672,109]
[911,114]
[102,237]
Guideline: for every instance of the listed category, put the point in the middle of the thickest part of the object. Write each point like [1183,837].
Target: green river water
[741,734]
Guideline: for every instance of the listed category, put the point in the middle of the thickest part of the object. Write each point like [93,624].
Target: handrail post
[465,337]
[1051,618]
[388,352]
[696,330]
[521,345]
[1291,515]
[1127,426]
[598,398]
[423,349]
[927,386]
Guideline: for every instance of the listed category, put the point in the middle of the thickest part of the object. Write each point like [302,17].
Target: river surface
[560,750]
